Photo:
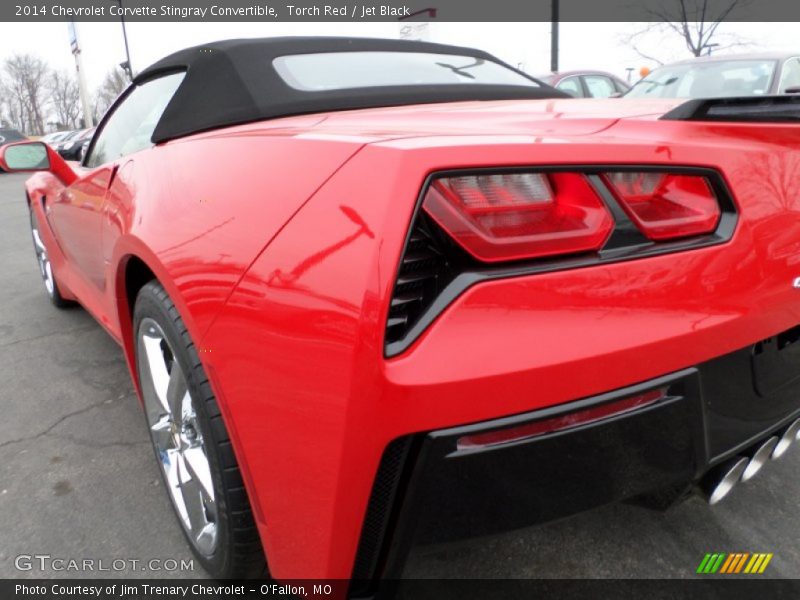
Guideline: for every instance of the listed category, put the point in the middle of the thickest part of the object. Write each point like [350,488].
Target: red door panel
[75,215]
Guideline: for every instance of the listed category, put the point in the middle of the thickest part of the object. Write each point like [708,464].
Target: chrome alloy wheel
[41,256]
[176,436]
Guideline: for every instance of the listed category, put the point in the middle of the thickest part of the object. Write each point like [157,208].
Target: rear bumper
[429,488]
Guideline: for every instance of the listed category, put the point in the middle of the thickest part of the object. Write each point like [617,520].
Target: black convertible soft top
[234,81]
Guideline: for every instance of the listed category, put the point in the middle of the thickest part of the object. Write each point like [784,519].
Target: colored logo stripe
[735,563]
[711,563]
[741,562]
[728,564]
[758,563]
[720,562]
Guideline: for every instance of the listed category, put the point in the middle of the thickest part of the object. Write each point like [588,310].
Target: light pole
[126,66]
[554,36]
[82,90]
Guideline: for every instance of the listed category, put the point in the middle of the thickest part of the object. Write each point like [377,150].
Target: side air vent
[424,271]
[375,531]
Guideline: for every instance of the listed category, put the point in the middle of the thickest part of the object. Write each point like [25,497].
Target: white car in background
[723,76]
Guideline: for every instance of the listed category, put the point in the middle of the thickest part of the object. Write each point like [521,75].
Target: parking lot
[78,479]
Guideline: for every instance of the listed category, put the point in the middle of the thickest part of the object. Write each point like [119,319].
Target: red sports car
[374,292]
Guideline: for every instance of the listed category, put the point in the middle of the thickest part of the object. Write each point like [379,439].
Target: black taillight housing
[478,225]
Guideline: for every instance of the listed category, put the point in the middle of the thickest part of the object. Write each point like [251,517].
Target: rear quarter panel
[298,349]
[198,211]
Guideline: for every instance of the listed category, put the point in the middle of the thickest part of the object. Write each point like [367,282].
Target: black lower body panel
[745,393]
[546,477]
[447,490]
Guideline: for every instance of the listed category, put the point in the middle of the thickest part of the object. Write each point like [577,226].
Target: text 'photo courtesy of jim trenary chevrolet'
[375,300]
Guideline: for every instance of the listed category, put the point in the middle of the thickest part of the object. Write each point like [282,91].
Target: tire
[45,268]
[191,443]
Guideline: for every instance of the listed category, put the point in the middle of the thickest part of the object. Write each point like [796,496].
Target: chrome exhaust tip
[760,458]
[789,436]
[720,481]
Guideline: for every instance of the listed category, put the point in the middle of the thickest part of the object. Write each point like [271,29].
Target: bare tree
[15,105]
[5,121]
[113,85]
[65,99]
[697,22]
[26,85]
[11,105]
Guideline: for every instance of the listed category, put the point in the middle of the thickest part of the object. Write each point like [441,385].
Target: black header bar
[393,10]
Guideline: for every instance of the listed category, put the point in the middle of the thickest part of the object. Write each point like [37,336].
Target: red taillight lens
[573,419]
[513,216]
[666,205]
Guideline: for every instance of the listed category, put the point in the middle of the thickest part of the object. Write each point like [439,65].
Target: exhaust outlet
[789,436]
[760,458]
[720,480]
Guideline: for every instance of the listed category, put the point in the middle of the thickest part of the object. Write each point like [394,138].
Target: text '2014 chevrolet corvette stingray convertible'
[374,292]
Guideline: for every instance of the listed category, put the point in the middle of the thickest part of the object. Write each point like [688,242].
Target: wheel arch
[133,272]
[135,268]
[136,265]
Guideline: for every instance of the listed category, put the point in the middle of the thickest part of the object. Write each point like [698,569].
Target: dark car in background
[723,76]
[70,148]
[52,139]
[10,135]
[65,139]
[587,84]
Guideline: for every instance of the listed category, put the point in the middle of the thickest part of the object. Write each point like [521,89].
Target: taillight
[514,216]
[667,205]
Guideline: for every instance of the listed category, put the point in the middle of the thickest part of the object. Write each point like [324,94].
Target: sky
[525,45]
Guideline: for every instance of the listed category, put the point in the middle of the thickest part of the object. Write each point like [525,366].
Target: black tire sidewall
[152,302]
[56,298]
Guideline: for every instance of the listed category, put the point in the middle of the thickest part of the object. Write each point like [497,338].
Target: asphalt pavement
[78,479]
